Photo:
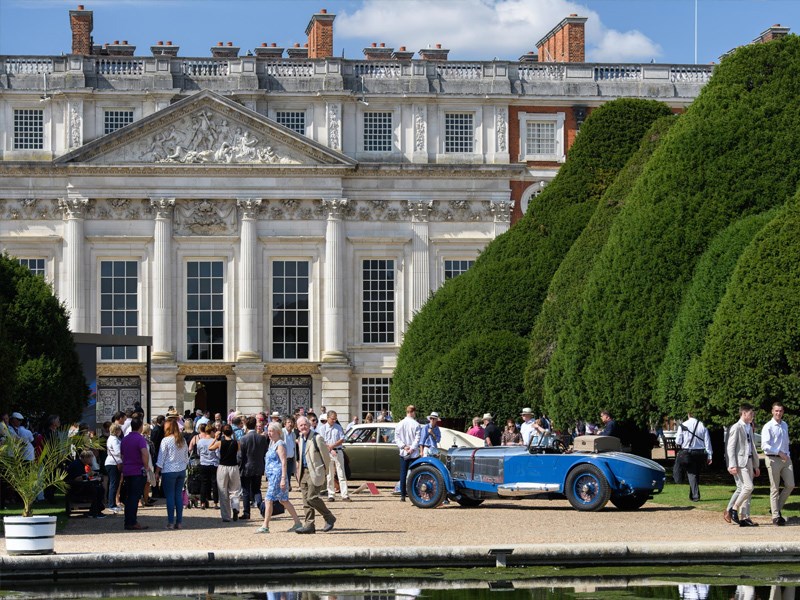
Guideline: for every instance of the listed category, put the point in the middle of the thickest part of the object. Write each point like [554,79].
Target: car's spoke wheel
[426,487]
[587,488]
[630,502]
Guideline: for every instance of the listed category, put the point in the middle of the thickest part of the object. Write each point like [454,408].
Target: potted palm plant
[29,534]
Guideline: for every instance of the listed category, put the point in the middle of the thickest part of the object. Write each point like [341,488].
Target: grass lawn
[54,509]
[714,496]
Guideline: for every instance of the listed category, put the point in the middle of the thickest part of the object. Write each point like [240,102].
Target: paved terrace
[382,531]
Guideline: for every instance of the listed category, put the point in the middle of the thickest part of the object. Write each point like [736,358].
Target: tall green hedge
[689,332]
[562,301]
[736,151]
[752,352]
[504,289]
[46,376]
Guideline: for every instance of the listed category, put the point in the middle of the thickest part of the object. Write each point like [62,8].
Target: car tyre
[587,488]
[426,487]
[630,502]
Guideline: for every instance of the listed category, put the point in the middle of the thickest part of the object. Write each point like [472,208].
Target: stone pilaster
[334,274]
[420,119]
[502,216]
[249,382]
[333,118]
[336,392]
[73,285]
[164,388]
[248,282]
[163,350]
[420,257]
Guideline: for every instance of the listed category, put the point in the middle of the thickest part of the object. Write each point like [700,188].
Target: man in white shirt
[775,444]
[526,430]
[694,439]
[17,430]
[333,434]
[406,436]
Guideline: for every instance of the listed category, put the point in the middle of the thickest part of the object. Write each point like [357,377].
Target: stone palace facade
[274,223]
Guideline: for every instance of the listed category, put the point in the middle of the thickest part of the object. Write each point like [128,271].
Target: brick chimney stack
[81,22]
[435,53]
[773,33]
[320,35]
[378,52]
[566,42]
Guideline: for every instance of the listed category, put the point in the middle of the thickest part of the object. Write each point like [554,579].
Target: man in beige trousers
[775,445]
[313,460]
[742,461]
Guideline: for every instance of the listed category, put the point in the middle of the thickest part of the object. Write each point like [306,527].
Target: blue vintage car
[587,479]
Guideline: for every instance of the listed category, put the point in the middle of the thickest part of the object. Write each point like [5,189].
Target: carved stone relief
[205,217]
[29,208]
[75,126]
[204,137]
[117,208]
[250,207]
[501,211]
[420,210]
[73,208]
[501,127]
[334,134]
[420,128]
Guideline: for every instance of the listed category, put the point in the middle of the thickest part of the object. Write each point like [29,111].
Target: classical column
[248,282]
[333,350]
[162,280]
[73,287]
[420,256]
[502,216]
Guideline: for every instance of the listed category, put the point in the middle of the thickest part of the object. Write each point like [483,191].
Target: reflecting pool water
[338,589]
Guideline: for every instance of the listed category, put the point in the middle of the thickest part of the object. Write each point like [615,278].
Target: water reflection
[314,589]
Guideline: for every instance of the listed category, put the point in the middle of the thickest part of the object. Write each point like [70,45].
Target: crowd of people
[225,458]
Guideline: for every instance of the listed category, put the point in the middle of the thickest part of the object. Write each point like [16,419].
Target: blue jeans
[172,484]
[113,484]
[135,485]
[404,464]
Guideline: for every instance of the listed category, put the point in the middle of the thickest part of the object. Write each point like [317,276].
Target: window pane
[458,132]
[378,132]
[205,314]
[289,309]
[119,304]
[374,395]
[378,317]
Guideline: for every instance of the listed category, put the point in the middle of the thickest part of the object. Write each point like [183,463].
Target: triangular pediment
[206,128]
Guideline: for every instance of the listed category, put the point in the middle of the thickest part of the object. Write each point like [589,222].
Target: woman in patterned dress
[277,478]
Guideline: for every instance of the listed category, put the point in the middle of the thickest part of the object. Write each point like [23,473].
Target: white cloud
[480,29]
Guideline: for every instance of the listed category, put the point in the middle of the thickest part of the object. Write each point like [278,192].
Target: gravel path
[379,521]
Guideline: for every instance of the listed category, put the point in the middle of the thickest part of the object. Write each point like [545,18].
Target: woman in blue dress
[277,478]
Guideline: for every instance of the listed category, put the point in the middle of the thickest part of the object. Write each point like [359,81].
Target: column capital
[162,206]
[420,210]
[502,211]
[73,207]
[250,207]
[335,207]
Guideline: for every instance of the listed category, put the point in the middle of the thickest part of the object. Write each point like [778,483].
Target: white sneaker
[116,510]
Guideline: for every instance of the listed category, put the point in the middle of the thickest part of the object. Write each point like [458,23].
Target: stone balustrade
[356,76]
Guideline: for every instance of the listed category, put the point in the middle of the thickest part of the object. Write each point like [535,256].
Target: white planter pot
[30,535]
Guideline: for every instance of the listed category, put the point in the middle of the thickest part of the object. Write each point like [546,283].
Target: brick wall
[81,23]
[320,35]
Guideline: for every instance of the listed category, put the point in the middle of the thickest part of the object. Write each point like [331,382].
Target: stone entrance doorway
[288,393]
[116,393]
[211,394]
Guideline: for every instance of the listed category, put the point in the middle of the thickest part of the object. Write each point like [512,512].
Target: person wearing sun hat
[430,435]
[492,432]
[16,429]
[527,428]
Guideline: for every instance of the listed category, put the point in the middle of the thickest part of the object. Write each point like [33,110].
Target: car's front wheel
[426,487]
[587,488]
[631,501]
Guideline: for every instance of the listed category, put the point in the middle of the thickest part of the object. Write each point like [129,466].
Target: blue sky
[617,30]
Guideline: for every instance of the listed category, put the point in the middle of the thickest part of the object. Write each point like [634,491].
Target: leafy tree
[752,352]
[504,289]
[562,301]
[689,332]
[46,376]
[735,152]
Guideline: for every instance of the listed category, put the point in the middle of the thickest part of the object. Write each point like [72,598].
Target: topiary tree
[752,352]
[47,374]
[504,289]
[735,152]
[562,301]
[689,332]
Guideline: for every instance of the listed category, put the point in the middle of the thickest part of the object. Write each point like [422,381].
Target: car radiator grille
[487,469]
